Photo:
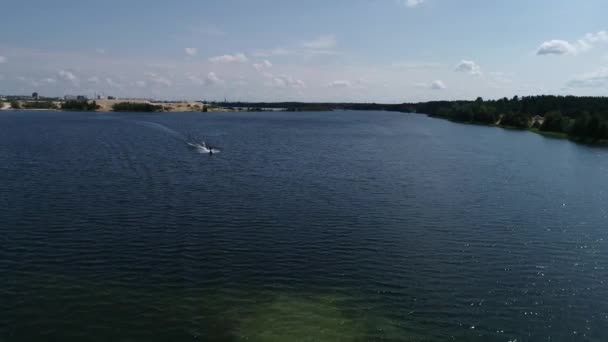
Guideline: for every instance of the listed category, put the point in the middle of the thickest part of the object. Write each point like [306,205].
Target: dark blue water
[343,226]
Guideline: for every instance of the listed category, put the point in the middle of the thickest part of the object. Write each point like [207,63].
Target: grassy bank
[559,135]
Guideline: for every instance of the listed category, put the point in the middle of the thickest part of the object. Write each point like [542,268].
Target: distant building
[69,97]
[82,98]
[537,119]
[111,98]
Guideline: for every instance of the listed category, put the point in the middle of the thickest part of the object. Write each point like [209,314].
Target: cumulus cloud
[157,79]
[556,47]
[236,58]
[191,51]
[213,79]
[68,76]
[3,59]
[285,81]
[564,47]
[265,64]
[210,79]
[597,79]
[340,84]
[321,43]
[438,85]
[592,38]
[469,67]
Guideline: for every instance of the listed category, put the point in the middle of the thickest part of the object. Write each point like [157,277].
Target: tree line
[79,105]
[136,107]
[581,118]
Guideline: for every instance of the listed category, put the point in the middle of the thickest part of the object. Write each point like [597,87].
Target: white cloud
[438,85]
[322,43]
[592,38]
[141,84]
[236,58]
[285,81]
[158,79]
[210,79]
[191,51]
[3,59]
[469,67]
[68,76]
[564,47]
[556,47]
[100,51]
[112,83]
[411,3]
[339,84]
[265,64]
[597,79]
[49,80]
[213,79]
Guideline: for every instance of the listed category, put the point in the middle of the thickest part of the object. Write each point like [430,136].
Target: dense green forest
[581,118]
[136,107]
[38,105]
[79,105]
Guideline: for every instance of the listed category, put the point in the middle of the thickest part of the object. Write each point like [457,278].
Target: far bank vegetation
[136,107]
[79,105]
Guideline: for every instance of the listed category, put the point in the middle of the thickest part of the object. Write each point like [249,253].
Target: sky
[386,51]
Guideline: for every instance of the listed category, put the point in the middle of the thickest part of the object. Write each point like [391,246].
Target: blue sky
[277,50]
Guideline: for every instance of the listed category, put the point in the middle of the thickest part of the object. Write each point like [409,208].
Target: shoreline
[546,134]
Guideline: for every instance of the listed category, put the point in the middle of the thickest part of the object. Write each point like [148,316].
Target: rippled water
[340,226]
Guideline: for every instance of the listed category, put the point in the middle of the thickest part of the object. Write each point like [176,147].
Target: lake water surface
[341,226]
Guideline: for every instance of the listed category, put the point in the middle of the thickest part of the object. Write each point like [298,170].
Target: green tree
[593,129]
[136,107]
[580,126]
[79,105]
[554,122]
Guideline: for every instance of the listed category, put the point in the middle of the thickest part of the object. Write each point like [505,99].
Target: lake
[338,226]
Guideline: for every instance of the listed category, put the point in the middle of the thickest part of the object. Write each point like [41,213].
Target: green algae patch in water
[299,319]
